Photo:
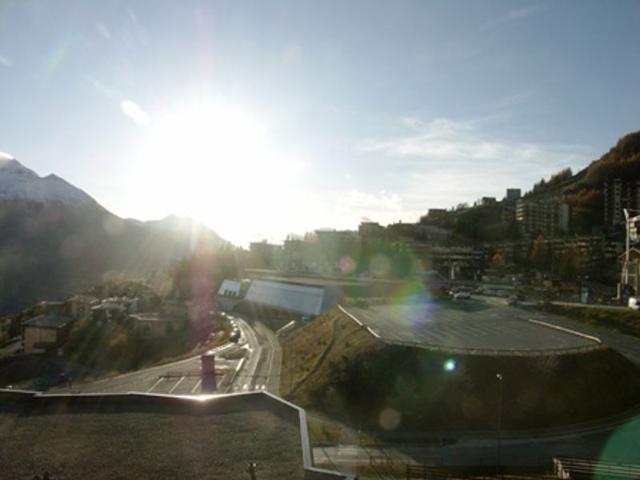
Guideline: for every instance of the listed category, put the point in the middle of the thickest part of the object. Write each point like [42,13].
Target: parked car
[512,300]
[462,295]
[235,335]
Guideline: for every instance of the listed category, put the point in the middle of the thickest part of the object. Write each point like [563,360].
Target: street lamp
[499,440]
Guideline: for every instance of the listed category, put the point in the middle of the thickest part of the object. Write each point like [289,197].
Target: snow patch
[17,182]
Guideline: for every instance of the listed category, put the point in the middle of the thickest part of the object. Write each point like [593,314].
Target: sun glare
[217,165]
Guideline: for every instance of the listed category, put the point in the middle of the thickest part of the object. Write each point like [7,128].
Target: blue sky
[340,110]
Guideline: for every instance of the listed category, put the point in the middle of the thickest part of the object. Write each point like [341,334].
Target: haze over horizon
[265,118]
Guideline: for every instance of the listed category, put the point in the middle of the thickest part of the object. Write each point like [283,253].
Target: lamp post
[499,439]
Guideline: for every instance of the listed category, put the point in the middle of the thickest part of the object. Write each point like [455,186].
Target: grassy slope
[329,342]
[357,378]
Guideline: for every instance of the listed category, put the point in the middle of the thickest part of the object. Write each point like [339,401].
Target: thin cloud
[5,62]
[510,101]
[444,162]
[103,31]
[291,55]
[509,17]
[381,200]
[447,140]
[132,110]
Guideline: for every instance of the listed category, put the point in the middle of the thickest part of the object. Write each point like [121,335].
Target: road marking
[197,386]
[222,348]
[155,384]
[566,330]
[177,383]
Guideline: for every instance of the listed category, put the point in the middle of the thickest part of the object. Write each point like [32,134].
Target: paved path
[627,345]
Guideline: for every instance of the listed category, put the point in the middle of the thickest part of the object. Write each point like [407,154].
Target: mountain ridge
[55,239]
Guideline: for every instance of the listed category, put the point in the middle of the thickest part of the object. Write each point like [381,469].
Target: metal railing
[570,468]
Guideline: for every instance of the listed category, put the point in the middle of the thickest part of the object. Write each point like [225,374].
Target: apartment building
[547,216]
[620,194]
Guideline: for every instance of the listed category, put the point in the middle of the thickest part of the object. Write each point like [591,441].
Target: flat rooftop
[49,320]
[143,436]
[468,327]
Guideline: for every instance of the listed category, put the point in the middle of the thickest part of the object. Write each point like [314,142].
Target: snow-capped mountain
[17,182]
[56,240]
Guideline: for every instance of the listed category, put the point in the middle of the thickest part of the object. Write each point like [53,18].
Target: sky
[266,118]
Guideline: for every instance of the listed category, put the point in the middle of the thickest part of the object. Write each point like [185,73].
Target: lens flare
[390,419]
[450,365]
[346,265]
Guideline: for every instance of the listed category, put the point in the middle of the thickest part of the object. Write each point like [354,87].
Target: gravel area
[117,445]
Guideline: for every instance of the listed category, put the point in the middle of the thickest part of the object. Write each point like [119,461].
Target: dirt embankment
[336,367]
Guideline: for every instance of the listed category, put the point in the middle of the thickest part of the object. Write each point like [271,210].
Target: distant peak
[19,182]
[53,176]
[10,165]
[177,218]
[4,157]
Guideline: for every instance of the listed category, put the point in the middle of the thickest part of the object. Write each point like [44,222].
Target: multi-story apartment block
[547,216]
[620,194]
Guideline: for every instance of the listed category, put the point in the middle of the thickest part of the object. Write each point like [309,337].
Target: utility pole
[631,233]
[499,442]
[625,269]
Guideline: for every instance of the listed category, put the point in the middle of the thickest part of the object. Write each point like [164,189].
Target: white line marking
[223,348]
[155,384]
[197,386]
[566,330]
[176,385]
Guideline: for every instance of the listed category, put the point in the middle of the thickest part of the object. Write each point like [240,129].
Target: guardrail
[570,468]
[426,472]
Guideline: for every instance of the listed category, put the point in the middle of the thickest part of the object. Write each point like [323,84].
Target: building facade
[619,194]
[546,216]
[45,332]
[483,201]
[513,194]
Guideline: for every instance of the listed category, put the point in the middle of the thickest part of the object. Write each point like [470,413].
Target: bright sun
[216,164]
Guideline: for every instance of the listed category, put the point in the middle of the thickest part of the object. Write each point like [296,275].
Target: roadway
[268,373]
[627,345]
[252,364]
[261,371]
[178,378]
